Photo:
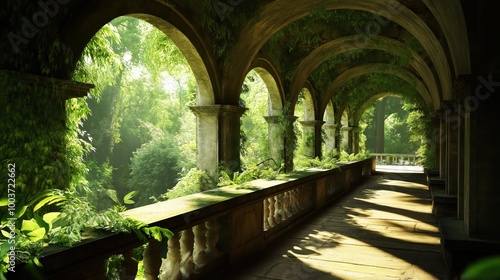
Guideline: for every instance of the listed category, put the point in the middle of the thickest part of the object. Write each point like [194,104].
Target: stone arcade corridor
[334,58]
[382,229]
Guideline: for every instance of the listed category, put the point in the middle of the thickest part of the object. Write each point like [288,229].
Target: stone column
[290,139]
[355,139]
[276,139]
[309,138]
[229,136]
[452,126]
[481,151]
[442,145]
[318,137]
[330,137]
[461,162]
[207,137]
[437,140]
[346,139]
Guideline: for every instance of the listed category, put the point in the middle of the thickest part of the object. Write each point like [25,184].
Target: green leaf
[48,201]
[4,201]
[127,199]
[20,211]
[29,226]
[113,195]
[37,234]
[50,217]
[41,222]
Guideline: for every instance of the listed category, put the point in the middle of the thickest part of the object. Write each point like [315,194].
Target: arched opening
[255,96]
[305,113]
[393,124]
[140,126]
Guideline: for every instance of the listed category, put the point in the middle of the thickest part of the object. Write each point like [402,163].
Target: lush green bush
[194,181]
[154,169]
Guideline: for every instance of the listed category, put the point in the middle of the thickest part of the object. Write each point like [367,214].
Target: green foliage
[302,162]
[194,181]
[250,172]
[153,168]
[421,129]
[253,125]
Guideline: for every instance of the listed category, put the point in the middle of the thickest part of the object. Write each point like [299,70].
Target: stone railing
[212,229]
[396,159]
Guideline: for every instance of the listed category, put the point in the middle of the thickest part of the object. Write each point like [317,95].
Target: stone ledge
[460,249]
[443,205]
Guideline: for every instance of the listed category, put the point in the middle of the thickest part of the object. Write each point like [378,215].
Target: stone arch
[271,20]
[269,74]
[379,68]
[362,108]
[450,16]
[178,28]
[348,43]
[309,103]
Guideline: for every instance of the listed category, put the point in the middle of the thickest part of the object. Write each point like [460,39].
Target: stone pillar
[229,136]
[452,126]
[481,153]
[309,138]
[338,138]
[437,140]
[346,139]
[207,137]
[330,129]
[318,137]
[290,141]
[34,130]
[442,145]
[355,139]
[276,138]
[461,162]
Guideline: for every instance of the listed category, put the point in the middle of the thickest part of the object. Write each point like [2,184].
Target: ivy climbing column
[229,136]
[309,138]
[35,131]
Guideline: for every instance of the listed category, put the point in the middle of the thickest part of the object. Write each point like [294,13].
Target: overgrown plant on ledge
[36,226]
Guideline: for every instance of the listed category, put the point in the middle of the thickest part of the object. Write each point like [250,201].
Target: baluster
[171,266]
[152,260]
[265,204]
[284,206]
[270,219]
[212,238]
[293,201]
[129,266]
[278,209]
[200,246]
[187,248]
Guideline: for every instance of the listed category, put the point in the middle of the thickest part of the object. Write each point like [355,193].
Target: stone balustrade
[396,159]
[212,229]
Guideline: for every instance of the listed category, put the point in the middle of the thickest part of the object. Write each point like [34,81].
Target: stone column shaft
[276,138]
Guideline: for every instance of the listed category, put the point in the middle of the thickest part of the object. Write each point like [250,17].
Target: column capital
[272,119]
[232,110]
[65,89]
[312,123]
[216,110]
[212,110]
[331,125]
[347,128]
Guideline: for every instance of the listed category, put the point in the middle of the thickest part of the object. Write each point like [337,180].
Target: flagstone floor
[382,229]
